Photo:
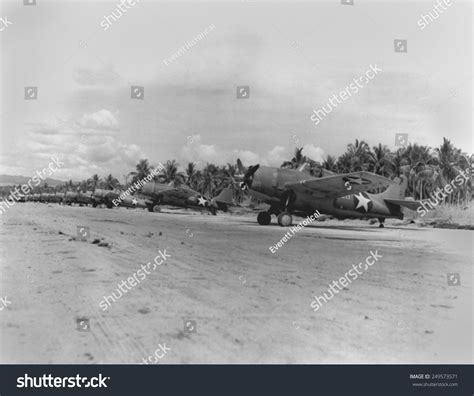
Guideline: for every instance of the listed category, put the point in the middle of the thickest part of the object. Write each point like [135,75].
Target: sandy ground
[249,305]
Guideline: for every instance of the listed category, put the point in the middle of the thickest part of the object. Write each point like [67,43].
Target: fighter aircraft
[183,196]
[290,191]
[105,197]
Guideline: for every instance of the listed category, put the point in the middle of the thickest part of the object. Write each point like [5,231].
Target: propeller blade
[240,167]
[248,177]
[251,170]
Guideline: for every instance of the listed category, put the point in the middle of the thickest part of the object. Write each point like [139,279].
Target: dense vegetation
[425,168]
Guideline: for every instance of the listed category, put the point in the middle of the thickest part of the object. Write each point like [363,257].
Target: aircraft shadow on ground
[342,227]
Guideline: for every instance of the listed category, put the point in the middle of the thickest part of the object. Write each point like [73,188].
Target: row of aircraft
[288,192]
[151,197]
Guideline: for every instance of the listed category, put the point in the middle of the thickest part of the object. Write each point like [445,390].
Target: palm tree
[344,163]
[447,157]
[83,186]
[209,180]
[380,161]
[93,182]
[111,182]
[418,157]
[142,170]
[191,174]
[171,175]
[399,163]
[330,163]
[298,160]
[360,155]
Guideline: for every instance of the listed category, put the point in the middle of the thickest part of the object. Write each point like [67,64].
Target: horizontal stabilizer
[412,205]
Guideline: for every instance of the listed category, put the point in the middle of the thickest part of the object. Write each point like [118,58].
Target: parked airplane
[183,196]
[290,191]
[105,197]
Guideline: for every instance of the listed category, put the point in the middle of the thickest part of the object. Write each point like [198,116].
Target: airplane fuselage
[268,185]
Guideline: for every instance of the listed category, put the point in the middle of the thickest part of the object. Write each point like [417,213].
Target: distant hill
[7,180]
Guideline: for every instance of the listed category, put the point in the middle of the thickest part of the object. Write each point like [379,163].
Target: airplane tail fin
[395,194]
[396,190]
[223,200]
[225,196]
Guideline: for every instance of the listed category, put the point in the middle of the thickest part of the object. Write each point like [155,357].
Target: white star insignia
[134,201]
[202,201]
[363,202]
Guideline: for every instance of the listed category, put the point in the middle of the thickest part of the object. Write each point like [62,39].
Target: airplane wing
[178,193]
[339,185]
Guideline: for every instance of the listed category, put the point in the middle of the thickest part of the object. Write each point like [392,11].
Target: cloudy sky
[293,56]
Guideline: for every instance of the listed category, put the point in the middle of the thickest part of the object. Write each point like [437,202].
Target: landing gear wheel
[285,219]
[156,208]
[381,223]
[264,218]
[213,211]
[94,205]
[110,205]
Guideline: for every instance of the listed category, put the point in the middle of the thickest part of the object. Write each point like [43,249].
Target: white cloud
[247,157]
[277,155]
[86,146]
[200,153]
[313,152]
[102,119]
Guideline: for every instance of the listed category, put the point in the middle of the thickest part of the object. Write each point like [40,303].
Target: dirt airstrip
[222,296]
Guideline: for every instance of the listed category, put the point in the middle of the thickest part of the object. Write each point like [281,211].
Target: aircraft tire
[285,219]
[264,218]
[156,208]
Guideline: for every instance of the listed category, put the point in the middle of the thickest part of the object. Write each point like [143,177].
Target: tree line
[425,168]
